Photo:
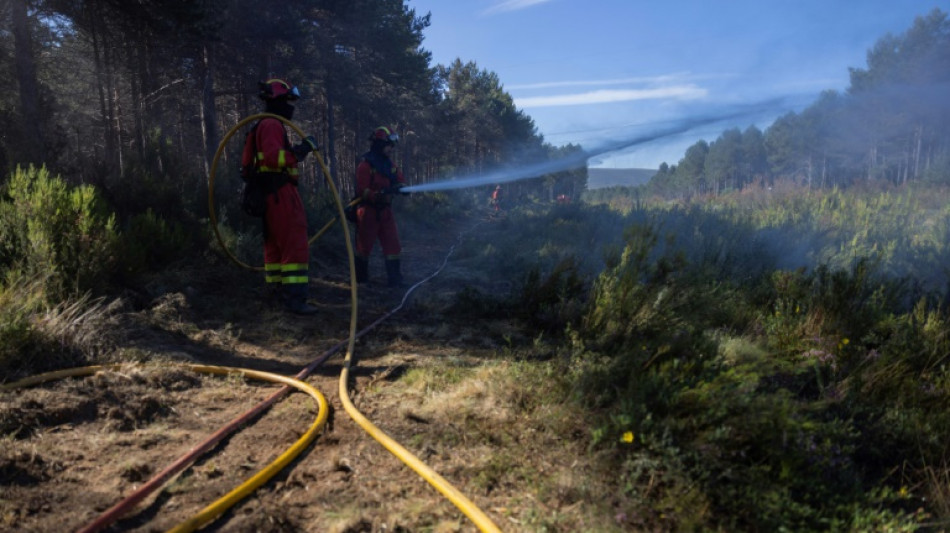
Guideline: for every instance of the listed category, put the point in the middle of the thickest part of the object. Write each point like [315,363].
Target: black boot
[393,274]
[275,294]
[362,269]
[295,299]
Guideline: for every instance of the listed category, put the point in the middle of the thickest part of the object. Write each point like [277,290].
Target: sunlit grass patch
[433,379]
[735,350]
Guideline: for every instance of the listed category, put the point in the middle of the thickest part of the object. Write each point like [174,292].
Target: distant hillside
[598,178]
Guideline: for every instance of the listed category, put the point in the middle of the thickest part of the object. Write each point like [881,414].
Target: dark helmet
[382,134]
[276,88]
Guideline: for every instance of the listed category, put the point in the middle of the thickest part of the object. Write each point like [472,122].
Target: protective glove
[307,145]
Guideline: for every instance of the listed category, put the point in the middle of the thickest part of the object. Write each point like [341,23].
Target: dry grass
[36,338]
[937,488]
[508,428]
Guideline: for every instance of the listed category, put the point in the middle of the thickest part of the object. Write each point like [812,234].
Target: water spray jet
[668,129]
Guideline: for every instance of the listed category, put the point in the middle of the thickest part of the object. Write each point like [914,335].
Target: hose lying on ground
[215,509]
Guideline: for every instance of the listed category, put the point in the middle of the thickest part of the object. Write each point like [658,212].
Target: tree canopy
[111,89]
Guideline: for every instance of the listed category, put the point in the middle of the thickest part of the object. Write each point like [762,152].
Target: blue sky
[599,72]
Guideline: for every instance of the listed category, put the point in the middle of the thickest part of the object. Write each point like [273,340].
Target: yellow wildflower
[627,437]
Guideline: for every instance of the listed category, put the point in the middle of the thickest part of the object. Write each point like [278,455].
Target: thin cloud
[512,5]
[606,96]
[584,83]
[662,79]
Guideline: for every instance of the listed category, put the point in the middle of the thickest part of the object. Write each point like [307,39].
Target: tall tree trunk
[117,114]
[28,85]
[137,90]
[209,132]
[331,133]
[112,123]
[98,60]
[180,130]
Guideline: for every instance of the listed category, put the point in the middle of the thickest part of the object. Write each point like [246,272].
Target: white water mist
[580,159]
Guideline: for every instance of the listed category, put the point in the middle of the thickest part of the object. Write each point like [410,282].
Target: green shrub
[778,435]
[433,208]
[746,443]
[246,244]
[150,242]
[64,235]
[553,302]
[769,365]
[19,301]
[163,183]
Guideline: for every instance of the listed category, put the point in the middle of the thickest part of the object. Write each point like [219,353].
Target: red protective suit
[286,251]
[375,215]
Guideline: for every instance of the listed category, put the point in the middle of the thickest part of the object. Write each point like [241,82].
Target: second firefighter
[377,181]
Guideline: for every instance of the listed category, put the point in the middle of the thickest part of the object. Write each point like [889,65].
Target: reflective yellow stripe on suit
[272,273]
[294,273]
[281,164]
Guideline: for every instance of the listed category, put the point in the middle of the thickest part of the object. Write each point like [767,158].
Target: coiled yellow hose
[213,173]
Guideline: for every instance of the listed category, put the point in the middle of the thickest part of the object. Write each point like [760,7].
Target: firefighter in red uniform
[268,150]
[377,180]
[496,199]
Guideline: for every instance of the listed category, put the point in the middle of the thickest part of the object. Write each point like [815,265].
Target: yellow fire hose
[451,493]
[465,505]
[227,501]
[214,510]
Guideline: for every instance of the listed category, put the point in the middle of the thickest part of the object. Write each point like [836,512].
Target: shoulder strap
[250,138]
[379,166]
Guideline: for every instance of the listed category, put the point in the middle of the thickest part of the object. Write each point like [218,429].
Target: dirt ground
[71,449]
